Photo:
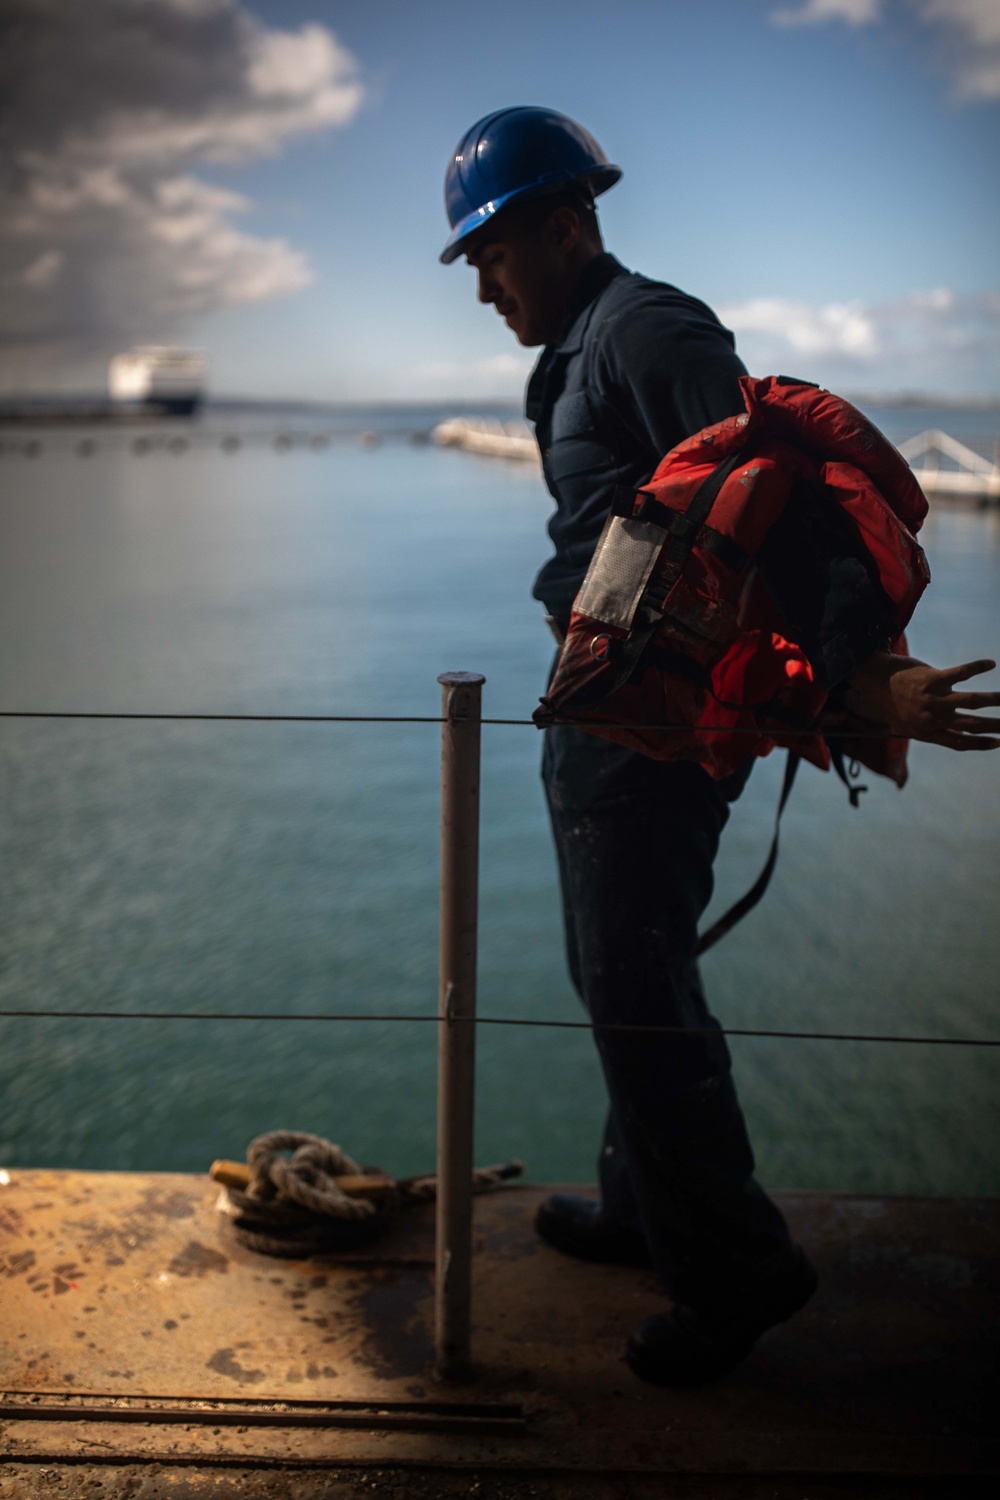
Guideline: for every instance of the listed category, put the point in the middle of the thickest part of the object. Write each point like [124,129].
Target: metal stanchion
[461,711]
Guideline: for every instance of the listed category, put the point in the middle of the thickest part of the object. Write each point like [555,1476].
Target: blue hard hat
[517,153]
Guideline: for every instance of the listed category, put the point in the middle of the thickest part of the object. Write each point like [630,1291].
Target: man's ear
[564,227]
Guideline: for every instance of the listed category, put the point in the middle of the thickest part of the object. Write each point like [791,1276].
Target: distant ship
[159,378]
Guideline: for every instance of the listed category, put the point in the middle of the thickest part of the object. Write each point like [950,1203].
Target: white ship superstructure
[160,376]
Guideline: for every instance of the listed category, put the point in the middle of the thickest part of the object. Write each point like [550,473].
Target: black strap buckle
[683,526]
[623,502]
[649,509]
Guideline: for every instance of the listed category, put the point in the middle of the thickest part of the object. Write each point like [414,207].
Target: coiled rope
[294,1206]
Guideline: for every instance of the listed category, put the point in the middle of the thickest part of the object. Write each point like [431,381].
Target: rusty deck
[116,1288]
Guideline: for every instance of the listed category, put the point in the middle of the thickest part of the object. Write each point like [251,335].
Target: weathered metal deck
[120,1287]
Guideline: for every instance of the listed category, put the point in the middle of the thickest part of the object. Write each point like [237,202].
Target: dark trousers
[636,840]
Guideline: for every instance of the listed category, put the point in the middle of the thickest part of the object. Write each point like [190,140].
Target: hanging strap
[848,774]
[746,903]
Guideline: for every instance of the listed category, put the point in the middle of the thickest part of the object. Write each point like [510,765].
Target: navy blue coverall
[640,367]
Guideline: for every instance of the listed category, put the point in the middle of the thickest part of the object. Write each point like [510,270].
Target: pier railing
[457,1020]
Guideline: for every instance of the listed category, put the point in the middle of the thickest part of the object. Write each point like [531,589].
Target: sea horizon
[230,401]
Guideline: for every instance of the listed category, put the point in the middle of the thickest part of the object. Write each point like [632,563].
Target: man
[629,368]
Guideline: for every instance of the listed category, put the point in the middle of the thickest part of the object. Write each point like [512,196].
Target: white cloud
[105,229]
[838,328]
[43,269]
[979,19]
[500,376]
[816,12]
[971,29]
[968,32]
[929,338]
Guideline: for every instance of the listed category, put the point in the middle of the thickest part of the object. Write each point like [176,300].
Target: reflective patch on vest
[625,558]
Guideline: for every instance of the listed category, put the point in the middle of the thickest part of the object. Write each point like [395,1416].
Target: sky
[262,180]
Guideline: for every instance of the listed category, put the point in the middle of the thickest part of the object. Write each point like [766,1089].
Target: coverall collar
[593,279]
[544,378]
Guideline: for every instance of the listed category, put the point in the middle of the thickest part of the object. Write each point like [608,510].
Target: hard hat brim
[598,181]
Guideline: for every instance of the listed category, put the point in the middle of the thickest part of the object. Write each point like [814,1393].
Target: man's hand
[912,699]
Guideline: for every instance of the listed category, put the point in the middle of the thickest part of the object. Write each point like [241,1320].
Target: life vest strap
[688,526]
[848,774]
[677,551]
[746,903]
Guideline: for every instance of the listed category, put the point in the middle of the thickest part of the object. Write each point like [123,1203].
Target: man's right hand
[919,701]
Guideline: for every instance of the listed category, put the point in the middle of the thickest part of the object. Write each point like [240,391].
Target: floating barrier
[963,474]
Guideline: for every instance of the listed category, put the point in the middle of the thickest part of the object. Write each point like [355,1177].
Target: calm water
[294,867]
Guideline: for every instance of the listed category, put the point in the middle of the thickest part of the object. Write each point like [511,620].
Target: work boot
[579,1227]
[689,1346]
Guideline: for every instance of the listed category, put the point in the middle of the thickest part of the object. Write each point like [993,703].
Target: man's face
[523,273]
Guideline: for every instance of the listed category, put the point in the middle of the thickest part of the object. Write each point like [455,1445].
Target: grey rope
[306,1178]
[294,1207]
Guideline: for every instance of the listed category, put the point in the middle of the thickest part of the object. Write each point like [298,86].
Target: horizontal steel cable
[602,1026]
[42,713]
[479,1020]
[770,733]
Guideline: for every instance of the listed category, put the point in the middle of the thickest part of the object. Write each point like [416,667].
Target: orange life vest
[675,646]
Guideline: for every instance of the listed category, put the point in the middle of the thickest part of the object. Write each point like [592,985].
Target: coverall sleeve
[668,377]
[676,381]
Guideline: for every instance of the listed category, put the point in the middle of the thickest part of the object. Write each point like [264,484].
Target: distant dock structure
[488,436]
[158,378]
[967,476]
[944,468]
